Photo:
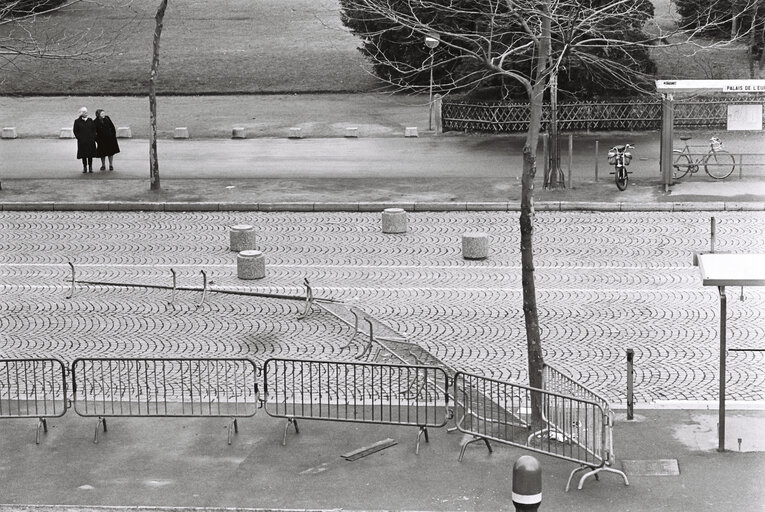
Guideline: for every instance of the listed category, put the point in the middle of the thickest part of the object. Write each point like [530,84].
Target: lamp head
[432,41]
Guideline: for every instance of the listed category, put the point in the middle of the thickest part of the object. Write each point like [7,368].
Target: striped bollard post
[527,484]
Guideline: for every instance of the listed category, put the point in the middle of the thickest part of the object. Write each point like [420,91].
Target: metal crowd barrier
[33,388]
[165,388]
[356,392]
[556,381]
[566,427]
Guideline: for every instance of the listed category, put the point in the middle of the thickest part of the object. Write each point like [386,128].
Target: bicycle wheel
[621,179]
[682,165]
[719,164]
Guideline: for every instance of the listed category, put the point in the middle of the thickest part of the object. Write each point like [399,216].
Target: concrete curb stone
[377,206]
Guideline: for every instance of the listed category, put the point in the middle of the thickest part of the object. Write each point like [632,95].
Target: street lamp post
[431,42]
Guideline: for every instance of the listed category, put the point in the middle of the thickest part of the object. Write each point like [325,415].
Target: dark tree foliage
[399,56]
[22,7]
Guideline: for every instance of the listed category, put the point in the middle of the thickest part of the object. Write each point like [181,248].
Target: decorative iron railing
[505,117]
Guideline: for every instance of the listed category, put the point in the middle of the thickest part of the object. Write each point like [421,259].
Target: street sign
[729,86]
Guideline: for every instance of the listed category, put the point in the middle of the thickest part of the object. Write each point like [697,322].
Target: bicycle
[718,163]
[620,157]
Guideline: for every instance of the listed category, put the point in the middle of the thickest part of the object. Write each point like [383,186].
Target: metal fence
[565,426]
[507,117]
[33,388]
[356,392]
[165,388]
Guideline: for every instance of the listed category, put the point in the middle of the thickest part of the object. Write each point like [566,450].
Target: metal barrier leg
[474,440]
[172,297]
[290,421]
[308,308]
[41,422]
[71,291]
[423,430]
[204,288]
[101,421]
[598,470]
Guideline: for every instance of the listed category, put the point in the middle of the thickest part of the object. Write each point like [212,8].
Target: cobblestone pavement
[605,282]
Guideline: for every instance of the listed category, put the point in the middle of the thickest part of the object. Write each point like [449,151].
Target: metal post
[712,230]
[721,408]
[430,95]
[596,160]
[740,166]
[630,399]
[667,127]
[570,156]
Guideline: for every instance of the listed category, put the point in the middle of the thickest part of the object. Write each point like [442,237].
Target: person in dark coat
[85,132]
[106,136]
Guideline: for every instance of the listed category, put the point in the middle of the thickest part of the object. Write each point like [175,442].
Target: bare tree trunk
[531,317]
[153,161]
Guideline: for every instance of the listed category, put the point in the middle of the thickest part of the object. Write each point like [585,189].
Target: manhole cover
[658,467]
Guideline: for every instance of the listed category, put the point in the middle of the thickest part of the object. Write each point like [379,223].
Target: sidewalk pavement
[172,462]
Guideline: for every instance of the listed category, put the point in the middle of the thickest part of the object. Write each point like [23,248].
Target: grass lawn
[248,46]
[227,46]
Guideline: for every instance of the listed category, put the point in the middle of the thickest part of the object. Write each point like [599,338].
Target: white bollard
[181,133]
[65,133]
[410,131]
[296,133]
[9,133]
[352,132]
[250,265]
[475,245]
[124,132]
[394,220]
[239,132]
[242,237]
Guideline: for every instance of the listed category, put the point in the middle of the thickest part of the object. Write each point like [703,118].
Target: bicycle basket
[715,143]
[627,158]
[611,157]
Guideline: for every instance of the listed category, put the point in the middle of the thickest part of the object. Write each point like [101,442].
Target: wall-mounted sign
[745,117]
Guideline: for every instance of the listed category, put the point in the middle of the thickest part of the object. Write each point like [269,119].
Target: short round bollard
[242,238]
[250,265]
[475,246]
[527,484]
[394,220]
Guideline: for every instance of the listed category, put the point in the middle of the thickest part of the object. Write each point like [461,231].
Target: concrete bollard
[181,133]
[239,132]
[65,133]
[527,484]
[394,220]
[296,133]
[352,132]
[124,132]
[410,131]
[475,245]
[250,265]
[242,237]
[9,133]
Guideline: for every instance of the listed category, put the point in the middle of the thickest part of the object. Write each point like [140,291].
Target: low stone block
[352,132]
[124,132]
[9,133]
[296,133]
[181,133]
[242,237]
[475,245]
[410,131]
[394,220]
[65,133]
[250,265]
[239,132]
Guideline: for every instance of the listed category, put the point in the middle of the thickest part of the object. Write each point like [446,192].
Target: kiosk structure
[723,270]
[669,88]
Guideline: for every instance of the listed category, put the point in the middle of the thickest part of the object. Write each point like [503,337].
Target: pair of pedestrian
[96,138]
